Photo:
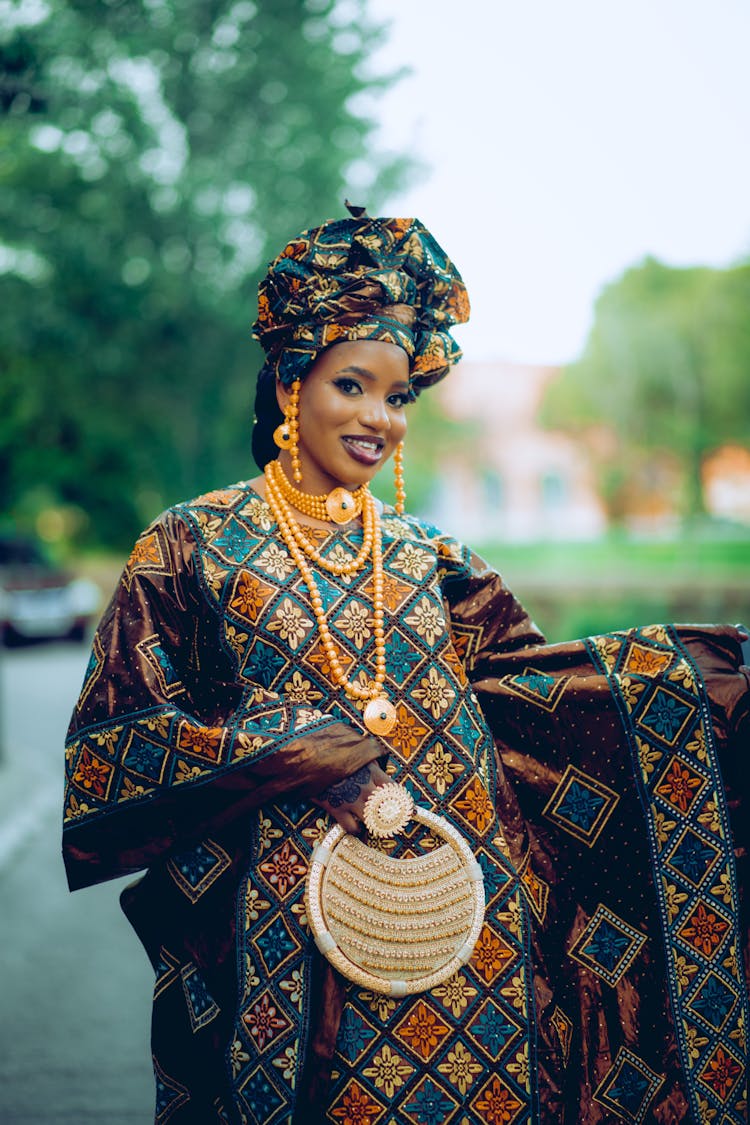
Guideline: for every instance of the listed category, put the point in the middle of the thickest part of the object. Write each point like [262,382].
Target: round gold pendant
[380,716]
[282,435]
[340,505]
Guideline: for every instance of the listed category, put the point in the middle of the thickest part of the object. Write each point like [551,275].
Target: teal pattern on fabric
[664,710]
[468,1045]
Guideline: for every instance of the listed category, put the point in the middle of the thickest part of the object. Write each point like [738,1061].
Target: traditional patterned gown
[607,983]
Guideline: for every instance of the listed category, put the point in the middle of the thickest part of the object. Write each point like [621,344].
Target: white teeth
[368,446]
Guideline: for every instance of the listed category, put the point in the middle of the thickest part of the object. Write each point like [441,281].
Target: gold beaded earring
[286,435]
[398,476]
[293,419]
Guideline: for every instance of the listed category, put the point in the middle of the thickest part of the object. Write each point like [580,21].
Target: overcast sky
[566,141]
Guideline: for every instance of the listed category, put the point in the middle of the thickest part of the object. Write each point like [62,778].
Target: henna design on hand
[346,792]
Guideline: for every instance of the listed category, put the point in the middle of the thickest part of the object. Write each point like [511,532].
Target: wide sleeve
[485,618]
[165,745]
[622,789]
[517,676]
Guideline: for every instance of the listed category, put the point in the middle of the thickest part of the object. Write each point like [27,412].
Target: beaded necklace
[340,505]
[379,714]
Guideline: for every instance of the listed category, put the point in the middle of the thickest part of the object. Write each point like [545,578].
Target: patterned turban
[336,282]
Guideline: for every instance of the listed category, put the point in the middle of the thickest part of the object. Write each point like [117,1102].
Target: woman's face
[352,414]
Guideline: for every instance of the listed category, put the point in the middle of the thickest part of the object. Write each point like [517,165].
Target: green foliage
[154,154]
[665,371]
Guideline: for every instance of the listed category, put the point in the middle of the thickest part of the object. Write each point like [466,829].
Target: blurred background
[587,167]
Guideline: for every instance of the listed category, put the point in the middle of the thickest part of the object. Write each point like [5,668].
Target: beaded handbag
[397,926]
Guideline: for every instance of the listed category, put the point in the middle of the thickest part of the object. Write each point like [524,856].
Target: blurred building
[514,480]
[726,483]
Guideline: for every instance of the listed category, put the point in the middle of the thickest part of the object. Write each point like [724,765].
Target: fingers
[378,776]
[347,821]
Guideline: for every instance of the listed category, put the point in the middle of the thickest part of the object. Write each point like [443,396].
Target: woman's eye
[348,386]
[398,400]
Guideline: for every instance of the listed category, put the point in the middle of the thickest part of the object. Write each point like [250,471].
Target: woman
[278,651]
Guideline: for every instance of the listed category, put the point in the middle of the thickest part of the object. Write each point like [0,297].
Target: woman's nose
[374,413]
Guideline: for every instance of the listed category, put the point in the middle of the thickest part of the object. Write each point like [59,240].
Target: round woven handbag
[397,926]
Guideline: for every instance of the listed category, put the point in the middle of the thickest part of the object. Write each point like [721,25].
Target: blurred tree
[665,373]
[153,155]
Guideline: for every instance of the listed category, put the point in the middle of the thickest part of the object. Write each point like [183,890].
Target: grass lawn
[620,561]
[574,589]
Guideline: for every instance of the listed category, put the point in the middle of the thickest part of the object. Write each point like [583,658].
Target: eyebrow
[365,373]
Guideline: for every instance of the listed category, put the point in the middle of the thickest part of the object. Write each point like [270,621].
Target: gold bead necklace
[379,713]
[340,505]
[273,472]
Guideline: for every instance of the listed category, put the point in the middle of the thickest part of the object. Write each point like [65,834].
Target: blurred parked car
[38,599]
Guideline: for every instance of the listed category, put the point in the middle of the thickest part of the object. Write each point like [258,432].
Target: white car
[38,599]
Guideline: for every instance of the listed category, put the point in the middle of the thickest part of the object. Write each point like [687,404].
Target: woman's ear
[283,394]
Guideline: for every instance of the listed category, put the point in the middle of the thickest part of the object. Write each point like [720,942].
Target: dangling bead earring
[293,419]
[286,435]
[398,476]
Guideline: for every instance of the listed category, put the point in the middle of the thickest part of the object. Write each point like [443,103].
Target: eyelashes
[347,386]
[351,388]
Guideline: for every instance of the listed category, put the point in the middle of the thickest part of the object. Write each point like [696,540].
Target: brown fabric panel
[484,603]
[535,746]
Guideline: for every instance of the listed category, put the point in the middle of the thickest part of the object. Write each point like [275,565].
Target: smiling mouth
[366,450]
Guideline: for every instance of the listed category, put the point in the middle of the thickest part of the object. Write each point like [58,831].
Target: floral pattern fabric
[339,281]
[207,720]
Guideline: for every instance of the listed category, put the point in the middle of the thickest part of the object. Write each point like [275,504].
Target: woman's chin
[351,478]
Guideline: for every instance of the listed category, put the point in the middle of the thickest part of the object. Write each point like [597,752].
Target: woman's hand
[346,800]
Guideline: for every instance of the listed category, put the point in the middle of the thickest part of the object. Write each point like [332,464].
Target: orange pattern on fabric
[408,733]
[678,786]
[319,658]
[490,954]
[423,1031]
[704,930]
[451,658]
[263,1021]
[284,869]
[497,1104]
[146,552]
[394,592]
[722,1073]
[221,496]
[433,357]
[476,806]
[92,773]
[250,595]
[461,645]
[357,1108]
[333,332]
[646,662]
[202,741]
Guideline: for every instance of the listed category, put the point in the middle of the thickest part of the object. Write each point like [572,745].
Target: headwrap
[336,282]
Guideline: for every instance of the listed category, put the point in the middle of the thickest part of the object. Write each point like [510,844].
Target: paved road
[74,982]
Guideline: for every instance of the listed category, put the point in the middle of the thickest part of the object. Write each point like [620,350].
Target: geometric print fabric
[629,1087]
[429,1059]
[608,945]
[581,805]
[435,1051]
[665,716]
